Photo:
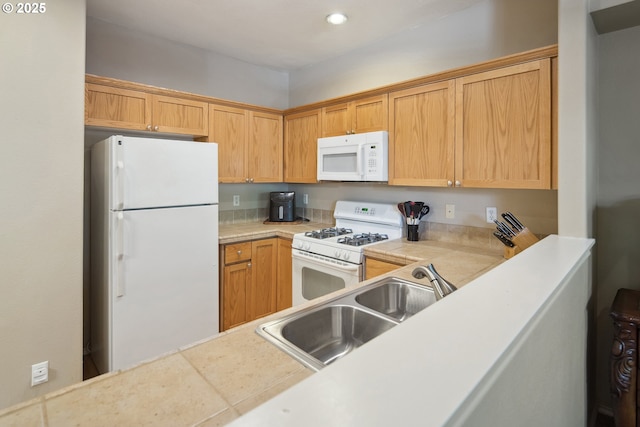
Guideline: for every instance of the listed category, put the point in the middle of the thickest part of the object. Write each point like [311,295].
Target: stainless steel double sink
[321,334]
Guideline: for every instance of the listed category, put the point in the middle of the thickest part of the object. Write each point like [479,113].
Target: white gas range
[330,259]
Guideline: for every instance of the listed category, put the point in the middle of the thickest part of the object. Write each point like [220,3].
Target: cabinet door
[284,285]
[503,120]
[228,128]
[364,115]
[265,147]
[116,108]
[370,114]
[301,146]
[262,291]
[554,123]
[176,115]
[421,135]
[375,267]
[336,120]
[234,295]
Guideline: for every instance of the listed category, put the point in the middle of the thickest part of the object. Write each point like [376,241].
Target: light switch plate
[39,373]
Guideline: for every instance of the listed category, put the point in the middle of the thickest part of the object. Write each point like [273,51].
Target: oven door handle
[324,261]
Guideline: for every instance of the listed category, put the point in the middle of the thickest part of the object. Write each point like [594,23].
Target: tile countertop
[232,233]
[215,381]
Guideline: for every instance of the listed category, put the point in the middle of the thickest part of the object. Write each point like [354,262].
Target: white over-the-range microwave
[356,157]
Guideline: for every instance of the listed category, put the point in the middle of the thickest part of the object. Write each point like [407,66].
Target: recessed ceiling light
[337,18]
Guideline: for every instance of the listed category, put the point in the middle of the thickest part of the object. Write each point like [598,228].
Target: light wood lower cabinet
[234,308]
[251,282]
[284,288]
[374,267]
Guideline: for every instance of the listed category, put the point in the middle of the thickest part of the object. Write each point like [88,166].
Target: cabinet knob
[458,183]
[449,183]
[348,132]
[250,179]
[239,252]
[156,128]
[148,127]
[249,265]
[246,180]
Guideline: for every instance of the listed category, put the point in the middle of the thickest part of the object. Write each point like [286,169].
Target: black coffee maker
[282,206]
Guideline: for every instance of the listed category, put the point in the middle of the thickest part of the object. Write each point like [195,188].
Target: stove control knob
[345,256]
[298,245]
[307,246]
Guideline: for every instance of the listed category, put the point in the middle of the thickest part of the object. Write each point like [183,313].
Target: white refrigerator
[154,248]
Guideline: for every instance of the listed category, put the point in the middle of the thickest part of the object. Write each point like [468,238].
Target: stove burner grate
[325,233]
[362,239]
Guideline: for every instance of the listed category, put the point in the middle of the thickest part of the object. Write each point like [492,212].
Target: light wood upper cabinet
[421,135]
[488,130]
[228,128]
[265,147]
[301,132]
[116,108]
[249,144]
[363,115]
[503,127]
[113,107]
[176,115]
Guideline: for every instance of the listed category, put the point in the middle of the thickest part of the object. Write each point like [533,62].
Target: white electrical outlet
[450,211]
[492,214]
[236,200]
[39,373]
[305,199]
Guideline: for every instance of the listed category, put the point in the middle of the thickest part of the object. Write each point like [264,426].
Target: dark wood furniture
[625,312]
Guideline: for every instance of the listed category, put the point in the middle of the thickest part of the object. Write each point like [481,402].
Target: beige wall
[126,54]
[486,30]
[41,162]
[536,208]
[577,124]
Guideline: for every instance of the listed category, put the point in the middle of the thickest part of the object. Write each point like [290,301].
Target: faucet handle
[440,286]
[448,284]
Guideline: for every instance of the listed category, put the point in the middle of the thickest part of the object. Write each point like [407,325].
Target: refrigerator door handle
[119,175]
[119,244]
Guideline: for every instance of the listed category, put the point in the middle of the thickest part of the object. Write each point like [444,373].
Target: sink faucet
[441,287]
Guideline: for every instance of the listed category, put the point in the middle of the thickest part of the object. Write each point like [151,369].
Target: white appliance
[154,248]
[356,157]
[331,259]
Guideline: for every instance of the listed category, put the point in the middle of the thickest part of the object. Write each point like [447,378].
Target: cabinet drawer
[237,252]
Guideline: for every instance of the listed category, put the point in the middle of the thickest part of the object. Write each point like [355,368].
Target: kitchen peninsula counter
[216,381]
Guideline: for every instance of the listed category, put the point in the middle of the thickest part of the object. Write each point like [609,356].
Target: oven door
[316,275]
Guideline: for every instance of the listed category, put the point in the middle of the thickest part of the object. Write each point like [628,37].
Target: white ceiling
[280,34]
